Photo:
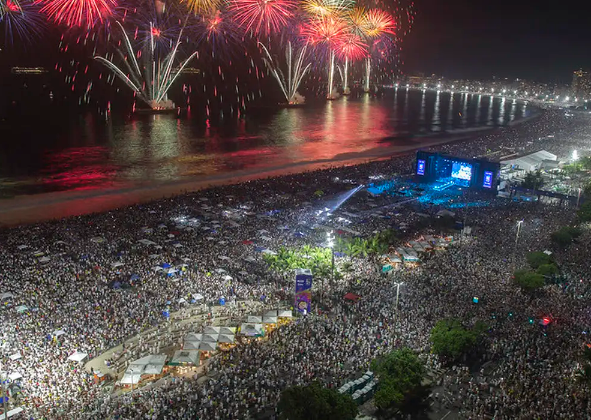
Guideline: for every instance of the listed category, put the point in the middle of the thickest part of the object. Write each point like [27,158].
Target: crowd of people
[58,276]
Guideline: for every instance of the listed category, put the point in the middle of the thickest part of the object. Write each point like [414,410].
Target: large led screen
[420,167]
[488,178]
[461,171]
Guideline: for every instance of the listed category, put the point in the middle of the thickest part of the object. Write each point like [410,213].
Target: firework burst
[351,47]
[201,7]
[21,20]
[79,13]
[262,16]
[379,23]
[326,8]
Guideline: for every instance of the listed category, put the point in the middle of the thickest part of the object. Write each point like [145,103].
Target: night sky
[480,39]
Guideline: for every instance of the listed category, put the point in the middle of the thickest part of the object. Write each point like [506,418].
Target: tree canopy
[564,236]
[400,374]
[528,280]
[584,212]
[450,339]
[533,180]
[315,402]
[536,259]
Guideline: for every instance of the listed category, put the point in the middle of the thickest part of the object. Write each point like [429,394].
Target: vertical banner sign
[303,289]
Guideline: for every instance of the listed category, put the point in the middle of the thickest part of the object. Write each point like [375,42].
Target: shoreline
[36,208]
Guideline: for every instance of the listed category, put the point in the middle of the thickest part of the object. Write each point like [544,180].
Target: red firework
[262,16]
[351,47]
[327,31]
[79,13]
[379,23]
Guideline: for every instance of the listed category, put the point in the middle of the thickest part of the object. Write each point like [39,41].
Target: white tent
[131,378]
[14,376]
[78,356]
[44,260]
[15,356]
[284,314]
[254,319]
[268,251]
[226,338]
[191,345]
[270,313]
[211,330]
[251,330]
[188,357]
[197,296]
[205,346]
[210,338]
[149,365]
[228,330]
[270,320]
[12,413]
[21,309]
[117,264]
[6,295]
[57,333]
[530,162]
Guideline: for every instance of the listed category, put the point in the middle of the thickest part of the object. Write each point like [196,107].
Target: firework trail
[262,17]
[351,48]
[296,70]
[152,81]
[79,13]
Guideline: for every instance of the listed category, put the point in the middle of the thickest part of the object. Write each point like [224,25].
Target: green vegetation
[451,340]
[533,180]
[536,259]
[528,280]
[400,374]
[314,402]
[564,236]
[584,212]
[375,245]
[583,375]
[547,270]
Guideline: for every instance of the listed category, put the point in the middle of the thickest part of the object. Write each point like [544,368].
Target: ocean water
[93,152]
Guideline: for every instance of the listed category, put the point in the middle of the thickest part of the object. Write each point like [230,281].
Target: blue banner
[303,290]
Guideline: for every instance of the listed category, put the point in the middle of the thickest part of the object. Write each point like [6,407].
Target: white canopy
[226,338]
[270,320]
[6,295]
[211,330]
[21,308]
[12,413]
[210,338]
[44,260]
[268,251]
[206,346]
[149,365]
[77,356]
[131,378]
[14,376]
[117,264]
[255,319]
[191,345]
[182,356]
[228,330]
[284,314]
[15,356]
[197,296]
[270,313]
[57,333]
[251,329]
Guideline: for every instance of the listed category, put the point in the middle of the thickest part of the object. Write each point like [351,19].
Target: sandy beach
[41,207]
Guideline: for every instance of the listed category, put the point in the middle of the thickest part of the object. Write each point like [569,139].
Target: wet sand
[41,207]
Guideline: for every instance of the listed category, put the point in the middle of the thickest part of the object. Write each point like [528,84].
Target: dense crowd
[61,275]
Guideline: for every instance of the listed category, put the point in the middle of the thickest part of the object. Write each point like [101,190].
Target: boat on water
[150,111]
